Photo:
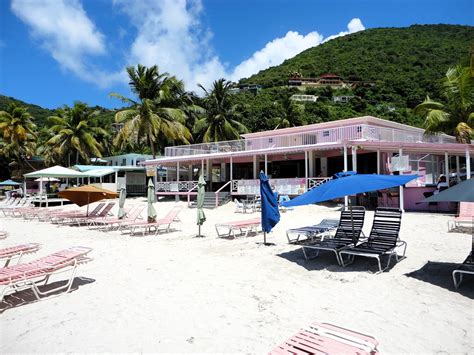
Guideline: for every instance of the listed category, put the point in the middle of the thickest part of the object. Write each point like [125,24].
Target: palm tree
[290,114]
[157,115]
[74,134]
[220,121]
[17,133]
[456,115]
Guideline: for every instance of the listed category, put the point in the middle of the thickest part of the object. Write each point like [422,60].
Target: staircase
[210,199]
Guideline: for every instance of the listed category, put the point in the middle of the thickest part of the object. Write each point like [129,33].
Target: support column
[176,197]
[266,163]
[311,163]
[354,158]
[446,167]
[468,164]
[255,167]
[231,169]
[458,170]
[324,166]
[306,165]
[345,157]
[346,198]
[400,189]
[202,170]
[378,161]
[208,171]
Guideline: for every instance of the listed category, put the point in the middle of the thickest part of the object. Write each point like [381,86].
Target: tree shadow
[27,296]
[441,274]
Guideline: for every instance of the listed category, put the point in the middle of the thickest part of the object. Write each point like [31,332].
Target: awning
[57,172]
[99,172]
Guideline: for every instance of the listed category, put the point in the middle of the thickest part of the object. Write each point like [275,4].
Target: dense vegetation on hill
[405,63]
[396,67]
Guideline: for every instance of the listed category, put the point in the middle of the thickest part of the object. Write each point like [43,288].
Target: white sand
[176,293]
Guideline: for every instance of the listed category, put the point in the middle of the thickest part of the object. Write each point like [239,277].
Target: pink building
[299,158]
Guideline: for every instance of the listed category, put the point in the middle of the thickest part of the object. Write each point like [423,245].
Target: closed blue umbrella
[349,183]
[269,204]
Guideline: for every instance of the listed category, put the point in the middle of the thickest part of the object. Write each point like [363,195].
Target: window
[325,133]
[124,162]
[359,129]
[270,140]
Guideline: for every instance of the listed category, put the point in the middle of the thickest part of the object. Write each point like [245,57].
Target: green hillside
[40,114]
[406,63]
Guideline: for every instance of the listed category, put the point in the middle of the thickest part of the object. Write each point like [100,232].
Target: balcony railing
[321,136]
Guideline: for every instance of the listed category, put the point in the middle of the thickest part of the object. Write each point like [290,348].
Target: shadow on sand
[441,274]
[327,261]
[24,297]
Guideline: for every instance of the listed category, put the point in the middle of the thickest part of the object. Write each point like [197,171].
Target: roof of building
[130,155]
[334,124]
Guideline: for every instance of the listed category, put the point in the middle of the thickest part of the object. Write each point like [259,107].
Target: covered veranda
[294,170]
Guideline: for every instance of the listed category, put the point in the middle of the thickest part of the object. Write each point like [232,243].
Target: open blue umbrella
[348,183]
[269,203]
[9,183]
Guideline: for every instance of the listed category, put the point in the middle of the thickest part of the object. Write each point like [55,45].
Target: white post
[116,180]
[458,169]
[446,167]
[345,157]
[354,158]
[266,162]
[255,167]
[208,171]
[400,189]
[231,169]
[202,169]
[176,198]
[378,161]
[306,165]
[468,164]
[346,198]
[311,163]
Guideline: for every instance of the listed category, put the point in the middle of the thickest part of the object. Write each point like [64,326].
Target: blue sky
[54,52]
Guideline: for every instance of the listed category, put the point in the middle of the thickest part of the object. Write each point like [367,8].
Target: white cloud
[354,25]
[64,30]
[170,35]
[275,52]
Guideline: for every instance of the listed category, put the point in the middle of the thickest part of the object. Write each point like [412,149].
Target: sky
[56,52]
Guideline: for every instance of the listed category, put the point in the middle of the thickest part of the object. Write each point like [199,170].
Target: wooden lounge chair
[162,224]
[326,338]
[17,251]
[347,233]
[383,239]
[110,223]
[89,219]
[466,268]
[57,218]
[465,217]
[311,233]
[243,227]
[30,275]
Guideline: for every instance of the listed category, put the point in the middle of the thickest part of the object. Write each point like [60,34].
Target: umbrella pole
[87,212]
[352,219]
[264,238]
[199,230]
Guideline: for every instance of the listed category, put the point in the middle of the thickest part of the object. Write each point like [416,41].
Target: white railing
[222,188]
[329,135]
[315,182]
[175,186]
[190,192]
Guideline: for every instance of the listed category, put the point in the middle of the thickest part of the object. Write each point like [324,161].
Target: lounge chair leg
[456,282]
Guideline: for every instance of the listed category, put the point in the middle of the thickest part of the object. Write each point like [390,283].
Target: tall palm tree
[456,115]
[74,134]
[290,114]
[17,133]
[221,118]
[156,116]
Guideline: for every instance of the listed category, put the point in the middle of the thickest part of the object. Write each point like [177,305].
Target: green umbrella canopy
[201,217]
[151,212]
[122,197]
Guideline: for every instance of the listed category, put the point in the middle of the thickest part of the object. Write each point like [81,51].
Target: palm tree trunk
[152,146]
[77,157]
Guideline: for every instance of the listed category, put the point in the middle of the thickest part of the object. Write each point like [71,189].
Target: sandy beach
[177,293]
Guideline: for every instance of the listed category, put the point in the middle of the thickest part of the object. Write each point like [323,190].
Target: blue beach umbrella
[348,183]
[269,203]
[9,183]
